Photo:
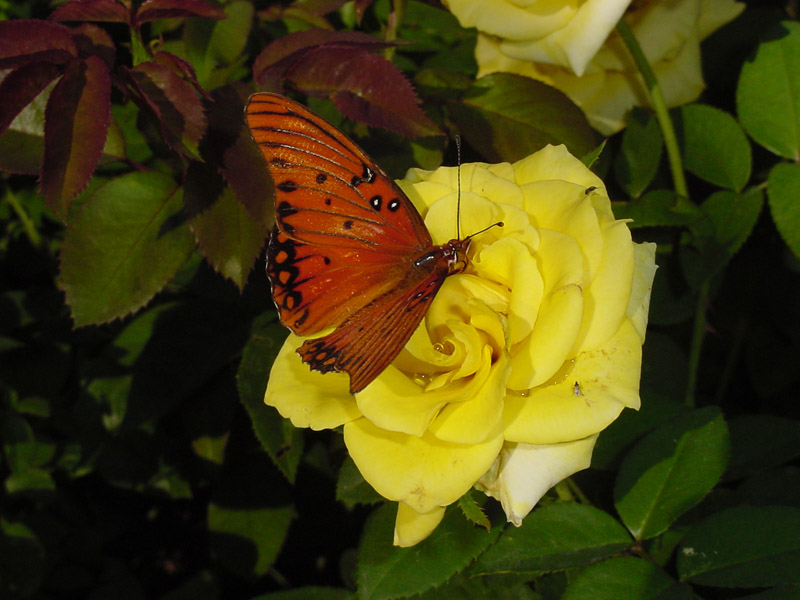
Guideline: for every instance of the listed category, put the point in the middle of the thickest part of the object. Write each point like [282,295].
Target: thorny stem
[393,23]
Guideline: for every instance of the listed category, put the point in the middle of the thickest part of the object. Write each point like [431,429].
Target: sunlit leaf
[507,117]
[229,237]
[640,153]
[714,146]
[625,577]
[768,94]
[783,193]
[555,537]
[670,471]
[386,571]
[121,247]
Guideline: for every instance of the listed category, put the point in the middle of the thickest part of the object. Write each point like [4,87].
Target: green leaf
[352,488]
[473,511]
[215,45]
[507,117]
[743,547]
[759,442]
[229,237]
[282,441]
[386,571]
[249,515]
[670,471]
[637,162]
[555,537]
[731,218]
[21,561]
[768,94]
[659,208]
[122,246]
[188,347]
[497,587]
[714,146]
[625,577]
[783,192]
[246,540]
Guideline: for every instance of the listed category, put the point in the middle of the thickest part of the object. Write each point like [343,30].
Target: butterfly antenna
[458,201]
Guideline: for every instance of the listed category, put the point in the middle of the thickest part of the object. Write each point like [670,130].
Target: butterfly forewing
[328,191]
[314,287]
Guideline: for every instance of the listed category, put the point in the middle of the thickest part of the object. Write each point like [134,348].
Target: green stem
[396,15]
[138,50]
[659,105]
[698,334]
[27,222]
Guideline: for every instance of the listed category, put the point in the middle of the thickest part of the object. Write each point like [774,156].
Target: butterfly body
[349,250]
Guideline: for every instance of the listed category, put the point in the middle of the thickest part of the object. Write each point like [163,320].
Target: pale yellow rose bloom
[607,84]
[556,32]
[520,361]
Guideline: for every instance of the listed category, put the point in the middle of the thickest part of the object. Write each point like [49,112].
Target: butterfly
[349,249]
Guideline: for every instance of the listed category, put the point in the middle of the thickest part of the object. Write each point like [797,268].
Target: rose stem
[679,180]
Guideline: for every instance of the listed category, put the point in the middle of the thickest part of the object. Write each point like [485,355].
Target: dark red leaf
[365,87]
[93,41]
[173,102]
[108,11]
[75,126]
[182,68]
[23,42]
[228,145]
[151,10]
[319,7]
[271,65]
[21,86]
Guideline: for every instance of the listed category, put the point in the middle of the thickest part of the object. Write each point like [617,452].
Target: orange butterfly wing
[349,249]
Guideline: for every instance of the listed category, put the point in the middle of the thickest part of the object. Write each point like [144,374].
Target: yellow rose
[601,79]
[521,360]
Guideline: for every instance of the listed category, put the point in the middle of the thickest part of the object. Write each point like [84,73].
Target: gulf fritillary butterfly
[349,249]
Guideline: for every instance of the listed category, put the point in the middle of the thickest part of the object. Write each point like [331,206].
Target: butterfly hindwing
[365,344]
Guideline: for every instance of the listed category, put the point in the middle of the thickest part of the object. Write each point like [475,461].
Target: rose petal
[576,43]
[411,527]
[510,263]
[540,356]
[308,398]
[588,395]
[523,473]
[424,472]
[605,299]
[644,272]
[480,417]
[511,20]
